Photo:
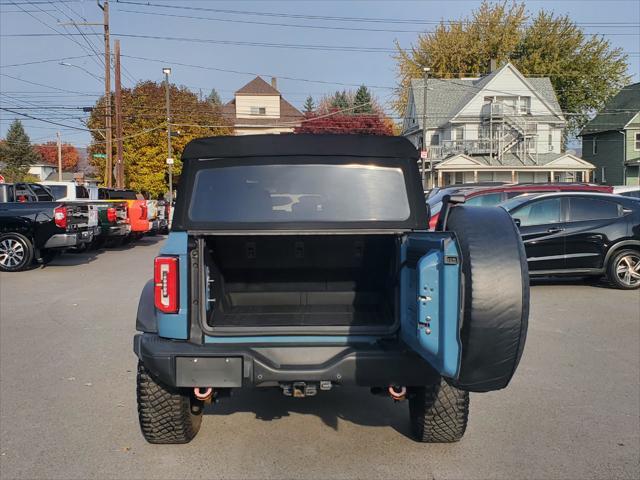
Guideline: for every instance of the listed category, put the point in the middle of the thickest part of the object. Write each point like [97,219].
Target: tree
[213,98]
[49,154]
[16,153]
[362,101]
[309,106]
[340,100]
[145,132]
[371,124]
[585,70]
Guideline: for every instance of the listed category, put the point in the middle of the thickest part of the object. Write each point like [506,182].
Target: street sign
[99,155]
[424,154]
[169,161]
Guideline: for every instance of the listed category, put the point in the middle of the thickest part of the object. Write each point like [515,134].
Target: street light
[167,72]
[426,71]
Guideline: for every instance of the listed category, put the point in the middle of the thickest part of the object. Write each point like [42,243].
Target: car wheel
[624,269]
[439,412]
[16,252]
[167,415]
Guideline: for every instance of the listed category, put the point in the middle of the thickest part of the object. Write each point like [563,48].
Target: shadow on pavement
[590,281]
[350,404]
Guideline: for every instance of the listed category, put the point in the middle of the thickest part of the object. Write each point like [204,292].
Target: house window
[458,133]
[435,139]
[637,142]
[525,105]
[550,141]
[258,111]
[594,145]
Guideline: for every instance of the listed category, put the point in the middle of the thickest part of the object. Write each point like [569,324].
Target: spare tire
[496,296]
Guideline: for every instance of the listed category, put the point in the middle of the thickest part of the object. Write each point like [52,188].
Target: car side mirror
[517,222]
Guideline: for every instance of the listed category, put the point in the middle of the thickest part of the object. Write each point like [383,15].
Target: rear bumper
[183,364]
[116,230]
[68,240]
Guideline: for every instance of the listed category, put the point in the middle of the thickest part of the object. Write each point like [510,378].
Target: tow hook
[397,393]
[299,389]
[203,394]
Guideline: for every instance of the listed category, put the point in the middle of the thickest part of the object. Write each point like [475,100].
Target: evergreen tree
[340,100]
[16,153]
[213,98]
[309,106]
[362,101]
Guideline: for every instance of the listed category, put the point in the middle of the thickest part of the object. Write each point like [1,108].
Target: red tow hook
[202,393]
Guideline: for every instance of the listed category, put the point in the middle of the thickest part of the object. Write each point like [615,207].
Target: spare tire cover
[496,296]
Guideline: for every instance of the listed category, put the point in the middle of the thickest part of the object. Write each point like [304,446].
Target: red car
[488,196]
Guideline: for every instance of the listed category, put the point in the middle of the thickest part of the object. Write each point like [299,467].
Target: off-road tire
[439,412]
[25,251]
[167,415]
[612,275]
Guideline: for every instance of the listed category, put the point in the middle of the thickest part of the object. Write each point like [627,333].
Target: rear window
[58,191]
[488,200]
[582,209]
[81,192]
[122,195]
[299,193]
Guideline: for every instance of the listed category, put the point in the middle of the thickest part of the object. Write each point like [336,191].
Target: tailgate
[81,216]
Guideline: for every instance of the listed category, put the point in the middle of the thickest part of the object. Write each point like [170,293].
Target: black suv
[580,234]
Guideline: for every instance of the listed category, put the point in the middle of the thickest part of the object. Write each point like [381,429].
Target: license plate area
[221,372]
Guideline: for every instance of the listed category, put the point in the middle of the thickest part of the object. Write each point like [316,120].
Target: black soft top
[303,144]
[205,154]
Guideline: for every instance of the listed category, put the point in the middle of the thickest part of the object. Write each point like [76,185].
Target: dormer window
[258,110]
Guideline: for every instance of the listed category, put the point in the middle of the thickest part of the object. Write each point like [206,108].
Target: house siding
[245,102]
[610,151]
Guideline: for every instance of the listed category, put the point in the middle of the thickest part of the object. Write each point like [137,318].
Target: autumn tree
[585,70]
[370,124]
[16,153]
[49,154]
[145,132]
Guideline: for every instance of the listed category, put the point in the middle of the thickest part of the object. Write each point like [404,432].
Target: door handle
[555,230]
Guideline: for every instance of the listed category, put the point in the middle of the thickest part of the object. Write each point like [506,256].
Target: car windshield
[299,193]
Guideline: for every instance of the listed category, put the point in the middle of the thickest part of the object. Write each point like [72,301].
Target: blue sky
[77,85]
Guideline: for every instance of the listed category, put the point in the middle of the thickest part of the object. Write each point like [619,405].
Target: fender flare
[147,318]
[617,246]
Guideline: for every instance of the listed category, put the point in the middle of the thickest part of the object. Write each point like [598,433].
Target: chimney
[493,65]
[274,82]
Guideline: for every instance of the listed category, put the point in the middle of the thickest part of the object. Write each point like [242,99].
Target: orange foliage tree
[49,153]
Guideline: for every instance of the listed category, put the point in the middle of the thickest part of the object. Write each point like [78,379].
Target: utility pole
[424,126]
[119,159]
[59,142]
[107,94]
[167,72]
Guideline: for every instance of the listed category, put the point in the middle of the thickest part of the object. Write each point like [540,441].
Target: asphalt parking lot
[68,410]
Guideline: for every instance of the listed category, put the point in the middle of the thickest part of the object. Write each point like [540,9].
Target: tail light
[143,211]
[60,217]
[433,221]
[165,278]
[111,215]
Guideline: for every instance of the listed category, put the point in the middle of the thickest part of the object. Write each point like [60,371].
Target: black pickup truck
[34,226]
[303,263]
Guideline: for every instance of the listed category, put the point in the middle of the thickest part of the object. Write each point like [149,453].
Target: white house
[258,108]
[501,127]
[42,170]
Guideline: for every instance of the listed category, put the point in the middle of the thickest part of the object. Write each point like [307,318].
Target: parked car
[580,234]
[113,222]
[627,191]
[282,270]
[488,196]
[34,226]
[137,209]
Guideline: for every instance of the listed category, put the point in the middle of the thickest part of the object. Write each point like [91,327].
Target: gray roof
[446,97]
[619,111]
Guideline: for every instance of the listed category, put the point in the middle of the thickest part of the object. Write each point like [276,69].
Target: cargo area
[301,280]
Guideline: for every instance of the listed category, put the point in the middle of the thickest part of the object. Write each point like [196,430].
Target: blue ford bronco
[303,263]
